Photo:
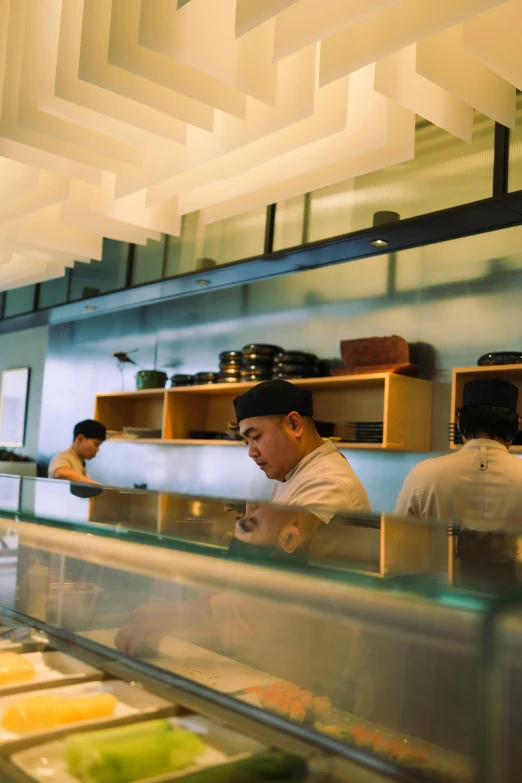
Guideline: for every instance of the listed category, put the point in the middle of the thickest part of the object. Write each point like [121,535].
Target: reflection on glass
[445,172]
[203,246]
[515,151]
[366,629]
[101,277]
[147,263]
[19,301]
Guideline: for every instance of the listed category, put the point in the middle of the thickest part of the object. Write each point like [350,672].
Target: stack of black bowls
[257,363]
[181,380]
[289,365]
[230,366]
[201,378]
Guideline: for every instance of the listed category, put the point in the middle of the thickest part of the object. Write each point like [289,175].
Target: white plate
[47,764]
[52,667]
[132,702]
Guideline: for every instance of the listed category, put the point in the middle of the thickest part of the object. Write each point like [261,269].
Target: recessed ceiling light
[203,282]
[379,242]
[90,307]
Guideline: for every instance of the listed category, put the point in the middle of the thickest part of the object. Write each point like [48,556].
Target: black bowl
[226,356]
[499,358]
[262,348]
[296,357]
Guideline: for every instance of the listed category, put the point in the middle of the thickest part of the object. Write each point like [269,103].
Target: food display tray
[52,668]
[133,702]
[46,763]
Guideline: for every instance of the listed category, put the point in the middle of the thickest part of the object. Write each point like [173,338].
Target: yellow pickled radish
[15,668]
[36,713]
[74,710]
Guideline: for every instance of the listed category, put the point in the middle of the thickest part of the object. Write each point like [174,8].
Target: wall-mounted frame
[13,406]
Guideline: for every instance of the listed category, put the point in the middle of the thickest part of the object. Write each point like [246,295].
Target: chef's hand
[144,628]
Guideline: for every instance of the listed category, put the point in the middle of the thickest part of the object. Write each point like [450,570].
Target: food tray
[196,664]
[133,702]
[52,668]
[33,642]
[46,763]
[408,752]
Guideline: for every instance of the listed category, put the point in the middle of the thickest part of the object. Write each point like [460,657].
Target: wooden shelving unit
[461,376]
[403,405]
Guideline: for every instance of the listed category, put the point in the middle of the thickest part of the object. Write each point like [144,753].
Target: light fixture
[379,242]
[90,307]
[202,282]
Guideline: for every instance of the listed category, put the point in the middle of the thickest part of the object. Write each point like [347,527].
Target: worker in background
[479,487]
[69,465]
[276,422]
[482,481]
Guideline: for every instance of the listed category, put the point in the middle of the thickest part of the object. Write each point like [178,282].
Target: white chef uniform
[323,479]
[67,459]
[480,483]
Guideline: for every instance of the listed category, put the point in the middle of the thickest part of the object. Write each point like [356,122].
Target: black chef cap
[493,391]
[272,397]
[90,428]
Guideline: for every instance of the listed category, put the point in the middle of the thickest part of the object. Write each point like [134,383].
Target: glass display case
[366,649]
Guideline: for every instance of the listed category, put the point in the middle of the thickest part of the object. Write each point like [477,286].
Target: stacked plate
[362,431]
[230,366]
[257,363]
[455,435]
[289,365]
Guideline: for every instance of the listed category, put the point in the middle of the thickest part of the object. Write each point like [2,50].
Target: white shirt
[480,483]
[67,459]
[325,479]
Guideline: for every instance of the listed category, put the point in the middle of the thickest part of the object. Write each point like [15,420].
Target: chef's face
[273,442]
[268,526]
[87,448]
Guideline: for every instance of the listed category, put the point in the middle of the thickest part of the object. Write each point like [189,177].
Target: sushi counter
[134,655]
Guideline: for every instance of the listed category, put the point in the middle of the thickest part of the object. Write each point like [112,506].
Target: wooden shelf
[403,404]
[461,376]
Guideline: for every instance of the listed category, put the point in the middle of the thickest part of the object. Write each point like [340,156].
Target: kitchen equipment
[257,360]
[251,377]
[361,431]
[151,379]
[257,372]
[181,380]
[499,358]
[375,354]
[229,378]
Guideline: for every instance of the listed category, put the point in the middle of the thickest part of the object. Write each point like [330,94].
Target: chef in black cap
[482,482]
[276,421]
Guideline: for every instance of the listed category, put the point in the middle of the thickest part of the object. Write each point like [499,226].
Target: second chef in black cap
[276,420]
[482,482]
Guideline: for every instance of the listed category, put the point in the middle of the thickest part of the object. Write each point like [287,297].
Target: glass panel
[101,277]
[19,300]
[204,246]
[369,629]
[445,172]
[53,292]
[148,261]
[515,151]
[290,229]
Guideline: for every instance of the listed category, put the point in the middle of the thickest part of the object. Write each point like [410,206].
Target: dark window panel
[101,277]
[19,301]
[53,292]
[148,262]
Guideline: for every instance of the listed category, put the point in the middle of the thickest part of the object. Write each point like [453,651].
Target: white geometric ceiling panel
[117,117]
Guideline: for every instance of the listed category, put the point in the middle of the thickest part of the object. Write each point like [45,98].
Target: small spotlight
[90,307]
[379,242]
[203,282]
